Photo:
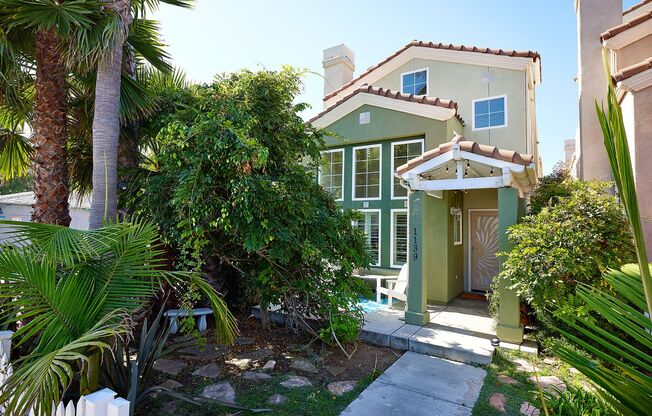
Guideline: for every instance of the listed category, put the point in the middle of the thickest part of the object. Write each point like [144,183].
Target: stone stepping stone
[506,380]
[255,376]
[335,371]
[269,365]
[222,391]
[170,367]
[550,361]
[338,388]
[206,353]
[523,365]
[528,409]
[277,399]
[208,371]
[257,355]
[551,384]
[296,382]
[242,364]
[498,401]
[170,384]
[303,365]
[244,341]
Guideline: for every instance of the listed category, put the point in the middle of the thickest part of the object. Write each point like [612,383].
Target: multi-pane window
[366,172]
[370,225]
[489,113]
[331,172]
[401,153]
[415,82]
[457,225]
[399,237]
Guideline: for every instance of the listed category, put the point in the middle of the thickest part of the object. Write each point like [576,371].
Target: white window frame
[394,167]
[380,232]
[343,169]
[504,96]
[391,246]
[380,178]
[458,216]
[413,72]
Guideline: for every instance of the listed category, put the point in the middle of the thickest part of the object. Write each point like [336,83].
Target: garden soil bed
[255,347]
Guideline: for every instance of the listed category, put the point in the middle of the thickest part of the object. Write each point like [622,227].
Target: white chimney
[339,64]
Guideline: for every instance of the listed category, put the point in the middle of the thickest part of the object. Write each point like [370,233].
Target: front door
[484,246]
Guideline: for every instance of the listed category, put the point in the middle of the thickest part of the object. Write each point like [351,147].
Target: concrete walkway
[421,385]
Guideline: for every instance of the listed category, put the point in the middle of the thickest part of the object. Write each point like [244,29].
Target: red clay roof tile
[625,26]
[636,6]
[632,70]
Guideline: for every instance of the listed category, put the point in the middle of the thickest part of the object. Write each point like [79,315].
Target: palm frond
[145,38]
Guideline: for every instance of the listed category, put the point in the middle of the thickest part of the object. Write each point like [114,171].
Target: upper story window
[366,172]
[331,172]
[415,82]
[401,153]
[490,112]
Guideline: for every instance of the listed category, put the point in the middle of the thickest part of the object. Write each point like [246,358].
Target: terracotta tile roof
[421,99]
[468,146]
[625,26]
[635,69]
[521,54]
[636,6]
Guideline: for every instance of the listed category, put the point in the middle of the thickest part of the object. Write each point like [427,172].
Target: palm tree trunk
[106,124]
[50,138]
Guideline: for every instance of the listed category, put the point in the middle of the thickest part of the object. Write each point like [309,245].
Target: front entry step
[461,331]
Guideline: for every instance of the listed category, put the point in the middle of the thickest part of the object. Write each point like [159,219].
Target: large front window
[370,225]
[401,153]
[399,237]
[331,172]
[415,82]
[366,172]
[489,113]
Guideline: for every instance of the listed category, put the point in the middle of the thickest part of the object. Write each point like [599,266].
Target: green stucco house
[436,146]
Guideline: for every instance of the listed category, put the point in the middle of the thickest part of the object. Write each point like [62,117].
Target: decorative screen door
[484,246]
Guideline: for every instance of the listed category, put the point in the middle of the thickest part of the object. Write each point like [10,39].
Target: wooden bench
[174,315]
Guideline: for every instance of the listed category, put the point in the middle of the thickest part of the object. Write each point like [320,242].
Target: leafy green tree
[73,291]
[573,241]
[235,192]
[551,188]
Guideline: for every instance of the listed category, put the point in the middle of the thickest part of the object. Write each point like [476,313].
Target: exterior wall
[634,53]
[463,83]
[593,18]
[385,128]
[79,216]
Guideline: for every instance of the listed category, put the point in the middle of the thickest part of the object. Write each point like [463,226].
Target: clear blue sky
[225,35]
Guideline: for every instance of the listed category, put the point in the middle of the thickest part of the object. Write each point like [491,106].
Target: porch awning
[463,164]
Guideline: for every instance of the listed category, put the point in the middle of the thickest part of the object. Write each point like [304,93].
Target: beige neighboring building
[627,36]
[569,153]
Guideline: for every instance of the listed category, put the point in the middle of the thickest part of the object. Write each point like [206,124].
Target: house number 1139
[415,245]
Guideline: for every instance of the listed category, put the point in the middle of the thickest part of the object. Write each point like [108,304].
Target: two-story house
[436,146]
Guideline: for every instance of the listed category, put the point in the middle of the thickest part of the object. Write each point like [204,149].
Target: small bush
[575,401]
[575,238]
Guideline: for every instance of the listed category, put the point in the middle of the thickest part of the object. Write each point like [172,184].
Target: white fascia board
[636,82]
[490,182]
[629,36]
[424,110]
[445,55]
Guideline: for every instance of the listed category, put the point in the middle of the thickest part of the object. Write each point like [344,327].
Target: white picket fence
[100,403]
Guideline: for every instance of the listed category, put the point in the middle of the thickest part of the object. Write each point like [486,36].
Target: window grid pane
[400,238]
[367,173]
[402,154]
[331,170]
[489,113]
[370,225]
[415,83]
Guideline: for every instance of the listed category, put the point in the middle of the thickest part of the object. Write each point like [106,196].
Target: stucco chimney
[339,64]
[593,18]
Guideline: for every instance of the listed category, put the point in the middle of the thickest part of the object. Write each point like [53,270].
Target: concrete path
[421,385]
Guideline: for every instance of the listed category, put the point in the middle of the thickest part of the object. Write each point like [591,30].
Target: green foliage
[74,290]
[551,188]
[575,401]
[235,193]
[19,184]
[571,242]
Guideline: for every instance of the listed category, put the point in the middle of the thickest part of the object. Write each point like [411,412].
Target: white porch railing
[100,403]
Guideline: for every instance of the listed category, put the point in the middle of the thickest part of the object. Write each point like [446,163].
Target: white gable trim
[636,82]
[424,110]
[446,55]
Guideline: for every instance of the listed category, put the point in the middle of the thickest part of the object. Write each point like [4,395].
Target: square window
[489,113]
[415,82]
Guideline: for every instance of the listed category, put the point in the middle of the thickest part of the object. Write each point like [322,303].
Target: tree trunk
[106,124]
[50,164]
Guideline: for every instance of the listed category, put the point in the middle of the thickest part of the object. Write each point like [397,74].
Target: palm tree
[75,290]
[106,122]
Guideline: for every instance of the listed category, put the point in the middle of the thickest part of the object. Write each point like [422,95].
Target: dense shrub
[574,239]
[551,188]
[236,195]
